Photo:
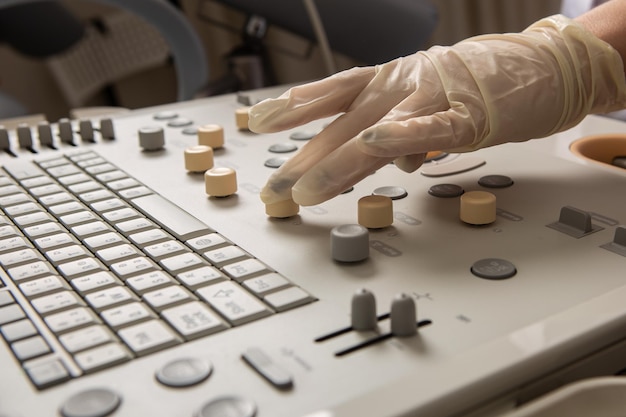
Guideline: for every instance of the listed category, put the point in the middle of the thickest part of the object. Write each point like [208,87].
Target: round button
[493,268]
[478,208]
[184,372]
[495,181]
[198,158]
[349,243]
[282,148]
[391,191]
[211,135]
[282,209]
[180,122]
[403,316]
[242,117]
[375,211]
[191,131]
[228,407]
[363,310]
[302,135]
[97,402]
[165,115]
[151,138]
[220,182]
[275,162]
[446,190]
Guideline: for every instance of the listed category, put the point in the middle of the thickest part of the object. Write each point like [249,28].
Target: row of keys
[138,284]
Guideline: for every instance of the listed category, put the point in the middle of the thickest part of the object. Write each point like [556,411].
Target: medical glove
[483,91]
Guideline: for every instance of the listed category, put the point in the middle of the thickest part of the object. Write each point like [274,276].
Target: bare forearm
[608,22]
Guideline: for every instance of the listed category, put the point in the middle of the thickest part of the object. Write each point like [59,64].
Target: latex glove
[480,92]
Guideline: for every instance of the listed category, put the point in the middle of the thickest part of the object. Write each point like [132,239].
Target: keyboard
[115,271]
[126,290]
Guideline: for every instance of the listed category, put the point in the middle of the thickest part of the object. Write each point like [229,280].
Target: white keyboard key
[95,195]
[245,269]
[79,267]
[135,225]
[24,208]
[52,241]
[65,253]
[10,189]
[148,337]
[31,270]
[46,373]
[111,176]
[208,242]
[110,204]
[70,319]
[74,179]
[10,313]
[103,240]
[102,357]
[85,187]
[33,218]
[92,282]
[126,314]
[133,266]
[86,338]
[116,253]
[14,199]
[63,170]
[30,348]
[18,330]
[288,298]
[99,169]
[266,283]
[149,281]
[193,320]
[149,236]
[200,277]
[18,257]
[120,214]
[8,231]
[58,301]
[123,184]
[66,208]
[13,243]
[167,297]
[46,190]
[43,285]
[78,218]
[109,297]
[225,255]
[58,198]
[88,229]
[135,192]
[178,263]
[164,249]
[43,229]
[233,302]
[36,181]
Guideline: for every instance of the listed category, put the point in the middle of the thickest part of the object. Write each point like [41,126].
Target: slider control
[5,141]
[618,244]
[65,131]
[25,137]
[403,316]
[44,132]
[364,310]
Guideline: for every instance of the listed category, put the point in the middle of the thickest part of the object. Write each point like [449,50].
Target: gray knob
[151,138]
[349,243]
[24,136]
[5,142]
[364,310]
[85,128]
[106,128]
[403,316]
[44,132]
[66,132]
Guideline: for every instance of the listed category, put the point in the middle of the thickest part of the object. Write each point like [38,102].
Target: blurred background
[59,56]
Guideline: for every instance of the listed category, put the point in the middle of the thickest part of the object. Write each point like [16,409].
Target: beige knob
[211,135]
[282,209]
[241,118]
[198,158]
[220,182]
[375,211]
[478,207]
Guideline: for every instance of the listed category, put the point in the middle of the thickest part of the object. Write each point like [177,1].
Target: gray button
[275,162]
[97,402]
[184,372]
[267,368]
[493,268]
[349,243]
[403,316]
[165,115]
[282,148]
[192,130]
[446,190]
[228,407]
[302,135]
[181,122]
[391,191]
[495,181]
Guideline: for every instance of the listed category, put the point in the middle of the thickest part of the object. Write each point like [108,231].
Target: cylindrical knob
[151,138]
[211,135]
[242,117]
[364,310]
[220,182]
[85,129]
[44,132]
[375,211]
[349,243]
[107,130]
[66,133]
[198,158]
[282,209]
[403,316]
[24,136]
[478,207]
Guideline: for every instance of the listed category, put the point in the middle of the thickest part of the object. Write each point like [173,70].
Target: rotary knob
[220,182]
[151,138]
[211,135]
[375,211]
[198,158]
[478,208]
[282,209]
[349,243]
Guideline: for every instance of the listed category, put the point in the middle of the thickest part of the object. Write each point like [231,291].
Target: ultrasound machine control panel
[131,287]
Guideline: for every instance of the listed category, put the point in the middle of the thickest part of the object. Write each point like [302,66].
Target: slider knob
[44,131]
[24,136]
[403,316]
[364,310]
[65,131]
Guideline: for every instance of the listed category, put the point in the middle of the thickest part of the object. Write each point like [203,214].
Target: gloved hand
[480,92]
